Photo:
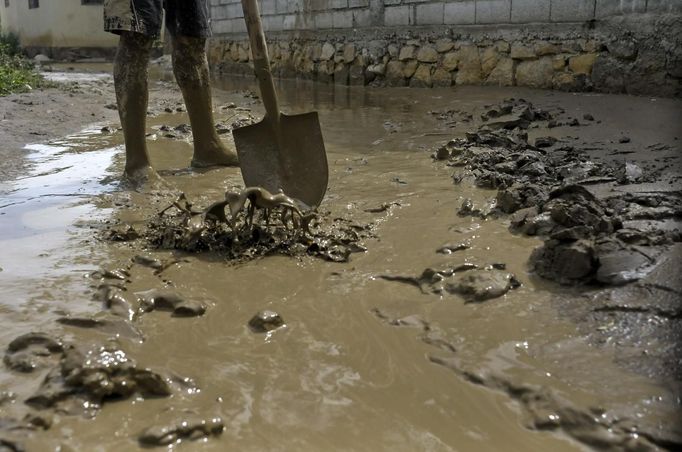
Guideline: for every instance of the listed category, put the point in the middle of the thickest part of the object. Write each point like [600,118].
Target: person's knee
[134,42]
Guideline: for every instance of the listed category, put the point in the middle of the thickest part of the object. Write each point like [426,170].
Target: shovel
[281,152]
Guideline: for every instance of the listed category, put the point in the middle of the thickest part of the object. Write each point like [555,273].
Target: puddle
[338,376]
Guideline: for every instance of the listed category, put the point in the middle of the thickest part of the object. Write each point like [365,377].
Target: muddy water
[339,376]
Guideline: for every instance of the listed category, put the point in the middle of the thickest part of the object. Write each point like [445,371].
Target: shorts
[183,17]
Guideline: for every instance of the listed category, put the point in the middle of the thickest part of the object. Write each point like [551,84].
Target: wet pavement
[356,360]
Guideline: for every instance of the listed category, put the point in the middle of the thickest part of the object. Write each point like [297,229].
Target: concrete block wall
[283,15]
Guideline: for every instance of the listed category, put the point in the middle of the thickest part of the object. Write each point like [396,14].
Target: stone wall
[632,46]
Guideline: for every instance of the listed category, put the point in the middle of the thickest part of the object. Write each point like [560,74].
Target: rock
[543,48]
[441,78]
[410,68]
[535,74]
[104,323]
[358,76]
[568,81]
[453,247]
[95,376]
[469,66]
[167,300]
[422,77]
[265,321]
[629,173]
[41,58]
[502,74]
[243,54]
[565,262]
[407,53]
[624,139]
[377,69]
[444,45]
[349,53]
[450,61]
[427,54]
[559,62]
[192,429]
[545,142]
[31,351]
[502,46]
[522,52]
[582,64]
[489,60]
[623,49]
[327,52]
[608,74]
[620,264]
[148,261]
[482,285]
[394,74]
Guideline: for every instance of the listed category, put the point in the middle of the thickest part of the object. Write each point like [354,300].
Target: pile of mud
[544,186]
[242,234]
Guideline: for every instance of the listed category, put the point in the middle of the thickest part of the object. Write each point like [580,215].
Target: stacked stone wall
[632,46]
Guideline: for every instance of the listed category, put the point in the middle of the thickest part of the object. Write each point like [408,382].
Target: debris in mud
[265,321]
[31,351]
[543,187]
[467,280]
[95,376]
[191,429]
[105,323]
[230,227]
[167,300]
[453,247]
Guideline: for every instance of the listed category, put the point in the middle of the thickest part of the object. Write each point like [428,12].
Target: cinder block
[342,19]
[526,11]
[392,2]
[362,18]
[430,13]
[358,3]
[606,8]
[664,6]
[572,10]
[221,26]
[273,23]
[238,26]
[218,13]
[338,4]
[289,22]
[323,20]
[460,12]
[288,6]
[234,11]
[493,11]
[397,15]
[268,7]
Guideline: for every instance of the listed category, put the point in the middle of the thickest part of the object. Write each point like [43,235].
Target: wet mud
[407,313]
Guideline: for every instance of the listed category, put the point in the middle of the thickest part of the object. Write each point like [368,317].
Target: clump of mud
[256,231]
[544,186]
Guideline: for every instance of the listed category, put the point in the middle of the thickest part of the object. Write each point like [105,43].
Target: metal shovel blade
[288,156]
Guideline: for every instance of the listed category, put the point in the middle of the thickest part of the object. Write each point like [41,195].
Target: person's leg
[131,68]
[190,67]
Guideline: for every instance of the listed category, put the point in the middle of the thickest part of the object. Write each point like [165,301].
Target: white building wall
[56,23]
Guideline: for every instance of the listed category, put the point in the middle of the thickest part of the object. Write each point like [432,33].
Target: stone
[265,321]
[407,53]
[349,53]
[489,59]
[234,51]
[582,64]
[568,81]
[522,52]
[502,46]
[393,50]
[441,78]
[444,45]
[422,77]
[356,75]
[482,285]
[450,61]
[328,51]
[535,74]
[31,351]
[243,54]
[559,62]
[410,68]
[192,429]
[394,74]
[341,74]
[469,67]
[608,74]
[543,48]
[377,69]
[502,74]
[624,49]
[427,54]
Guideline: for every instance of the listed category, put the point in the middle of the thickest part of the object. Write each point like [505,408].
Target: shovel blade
[288,157]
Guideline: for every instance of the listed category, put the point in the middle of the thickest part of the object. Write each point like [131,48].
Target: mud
[342,359]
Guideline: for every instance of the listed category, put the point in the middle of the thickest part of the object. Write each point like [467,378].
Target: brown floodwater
[337,376]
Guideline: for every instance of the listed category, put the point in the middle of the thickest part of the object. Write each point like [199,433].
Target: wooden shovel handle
[261,63]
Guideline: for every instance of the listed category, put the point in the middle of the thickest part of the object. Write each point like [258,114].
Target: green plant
[17,74]
[11,42]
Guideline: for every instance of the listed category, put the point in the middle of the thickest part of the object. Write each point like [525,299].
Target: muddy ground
[484,273]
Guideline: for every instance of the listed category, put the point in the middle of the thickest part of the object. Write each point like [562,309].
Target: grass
[17,74]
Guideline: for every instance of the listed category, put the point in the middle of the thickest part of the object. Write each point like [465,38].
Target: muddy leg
[191,72]
[130,81]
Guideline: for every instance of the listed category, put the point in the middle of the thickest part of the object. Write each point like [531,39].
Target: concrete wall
[294,15]
[56,24]
[632,46]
